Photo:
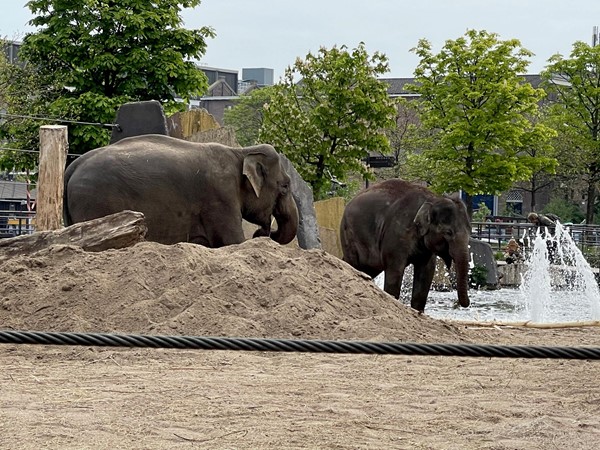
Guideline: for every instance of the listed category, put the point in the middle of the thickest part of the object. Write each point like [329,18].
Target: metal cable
[50,119]
[288,345]
[22,150]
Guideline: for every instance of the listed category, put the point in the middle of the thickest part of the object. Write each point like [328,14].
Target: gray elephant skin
[396,223]
[188,192]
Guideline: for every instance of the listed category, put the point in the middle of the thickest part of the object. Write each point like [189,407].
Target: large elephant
[396,223]
[188,192]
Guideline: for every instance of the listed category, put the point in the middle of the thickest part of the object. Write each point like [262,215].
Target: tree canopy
[475,111]
[328,112]
[17,83]
[98,54]
[246,116]
[575,81]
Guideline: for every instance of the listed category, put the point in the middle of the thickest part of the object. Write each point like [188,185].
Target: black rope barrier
[289,345]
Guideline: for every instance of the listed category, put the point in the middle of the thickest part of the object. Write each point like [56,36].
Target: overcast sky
[272,33]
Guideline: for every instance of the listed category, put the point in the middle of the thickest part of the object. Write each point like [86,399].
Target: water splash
[536,284]
[562,291]
[556,265]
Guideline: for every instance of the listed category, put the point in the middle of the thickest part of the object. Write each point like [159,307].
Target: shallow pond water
[511,305]
[565,290]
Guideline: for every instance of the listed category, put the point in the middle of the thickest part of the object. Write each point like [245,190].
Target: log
[119,230]
[53,156]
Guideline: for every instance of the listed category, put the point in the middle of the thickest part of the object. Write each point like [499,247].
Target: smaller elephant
[187,191]
[395,223]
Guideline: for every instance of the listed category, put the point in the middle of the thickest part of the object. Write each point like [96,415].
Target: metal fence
[16,223]
[497,234]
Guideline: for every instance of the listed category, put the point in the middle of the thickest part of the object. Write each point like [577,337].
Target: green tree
[477,110]
[99,54]
[568,211]
[403,134]
[576,83]
[17,83]
[542,158]
[246,116]
[329,121]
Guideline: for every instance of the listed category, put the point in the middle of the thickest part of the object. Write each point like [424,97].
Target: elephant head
[267,193]
[444,227]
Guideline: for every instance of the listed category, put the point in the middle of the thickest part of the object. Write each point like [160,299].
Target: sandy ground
[91,398]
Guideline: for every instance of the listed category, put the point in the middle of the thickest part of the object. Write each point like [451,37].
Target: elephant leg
[393,280]
[226,233]
[422,279]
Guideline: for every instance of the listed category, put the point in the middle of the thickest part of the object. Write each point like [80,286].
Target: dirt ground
[92,398]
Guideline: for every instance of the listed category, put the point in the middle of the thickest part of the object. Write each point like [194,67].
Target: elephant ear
[254,171]
[423,219]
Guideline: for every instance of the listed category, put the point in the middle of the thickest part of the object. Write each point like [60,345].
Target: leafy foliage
[477,110]
[327,123]
[575,81]
[565,209]
[17,82]
[246,117]
[403,136]
[478,277]
[482,212]
[543,158]
[99,54]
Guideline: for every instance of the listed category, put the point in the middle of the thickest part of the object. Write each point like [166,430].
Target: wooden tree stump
[119,230]
[53,156]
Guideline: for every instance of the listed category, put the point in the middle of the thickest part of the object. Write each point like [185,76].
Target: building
[225,88]
[11,50]
[259,76]
[15,217]
[221,94]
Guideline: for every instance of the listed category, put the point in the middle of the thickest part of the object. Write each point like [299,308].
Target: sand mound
[255,289]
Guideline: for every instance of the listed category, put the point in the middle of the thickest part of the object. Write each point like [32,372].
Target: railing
[16,223]
[497,234]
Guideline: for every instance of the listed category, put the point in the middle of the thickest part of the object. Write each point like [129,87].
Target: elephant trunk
[461,266]
[286,215]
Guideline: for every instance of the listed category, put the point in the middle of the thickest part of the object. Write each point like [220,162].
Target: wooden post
[53,157]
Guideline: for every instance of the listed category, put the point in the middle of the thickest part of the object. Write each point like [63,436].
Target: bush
[567,211]
[478,277]
[482,212]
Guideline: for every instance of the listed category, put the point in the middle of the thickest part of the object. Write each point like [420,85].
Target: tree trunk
[533,192]
[591,198]
[469,205]
[119,230]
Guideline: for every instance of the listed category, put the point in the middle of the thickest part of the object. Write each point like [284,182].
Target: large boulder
[308,228]
[483,255]
[136,118]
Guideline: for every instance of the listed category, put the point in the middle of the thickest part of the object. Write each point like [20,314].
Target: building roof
[220,88]
[397,86]
[14,190]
